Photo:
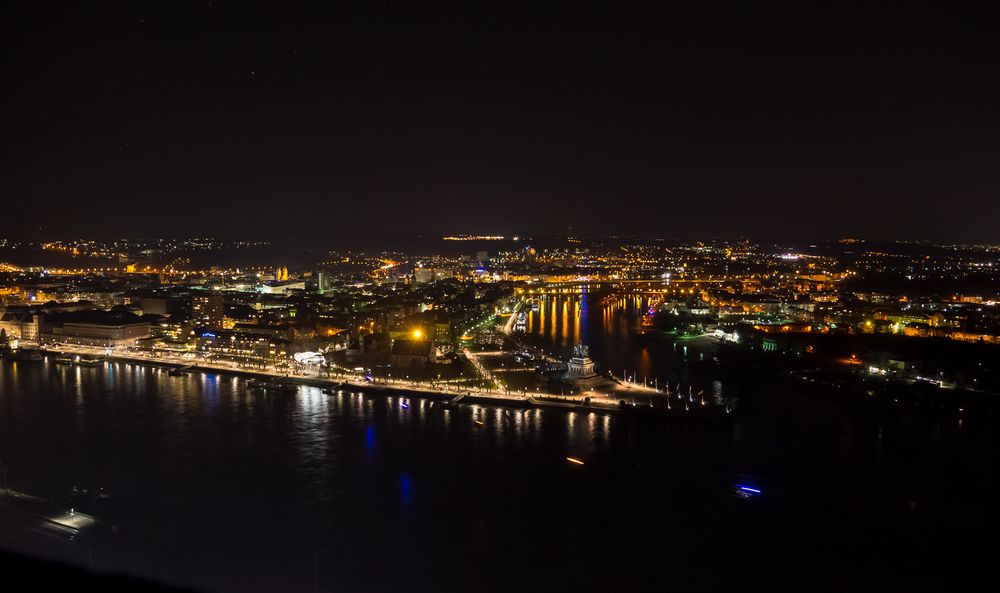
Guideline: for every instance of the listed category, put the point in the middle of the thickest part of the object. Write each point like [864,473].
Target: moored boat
[22,354]
[272,386]
[78,360]
[180,371]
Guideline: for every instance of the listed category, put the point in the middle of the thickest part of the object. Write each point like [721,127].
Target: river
[222,488]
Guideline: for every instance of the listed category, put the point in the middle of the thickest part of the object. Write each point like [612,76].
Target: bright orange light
[417,334]
[574,460]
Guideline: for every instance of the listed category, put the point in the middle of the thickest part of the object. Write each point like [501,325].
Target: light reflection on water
[607,323]
[229,481]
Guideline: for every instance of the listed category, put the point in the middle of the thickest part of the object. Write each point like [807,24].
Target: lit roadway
[508,327]
[313,373]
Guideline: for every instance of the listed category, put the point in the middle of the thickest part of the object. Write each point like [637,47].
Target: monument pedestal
[580,368]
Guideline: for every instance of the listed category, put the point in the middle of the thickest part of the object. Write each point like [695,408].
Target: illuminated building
[96,328]
[244,345]
[421,275]
[424,275]
[283,287]
[207,310]
[21,324]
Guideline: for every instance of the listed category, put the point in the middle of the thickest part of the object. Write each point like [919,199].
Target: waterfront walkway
[416,388]
[605,401]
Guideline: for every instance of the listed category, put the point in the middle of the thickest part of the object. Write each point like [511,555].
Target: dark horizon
[401,241]
[249,122]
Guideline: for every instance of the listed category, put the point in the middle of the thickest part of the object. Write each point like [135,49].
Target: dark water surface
[227,489]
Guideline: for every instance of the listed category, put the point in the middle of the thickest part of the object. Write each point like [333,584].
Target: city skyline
[389,296]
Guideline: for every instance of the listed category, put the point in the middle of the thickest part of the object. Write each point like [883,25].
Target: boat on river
[272,386]
[22,354]
[180,371]
[80,361]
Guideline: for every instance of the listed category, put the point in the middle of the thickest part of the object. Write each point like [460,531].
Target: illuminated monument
[580,367]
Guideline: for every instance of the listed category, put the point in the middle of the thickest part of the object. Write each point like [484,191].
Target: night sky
[249,120]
